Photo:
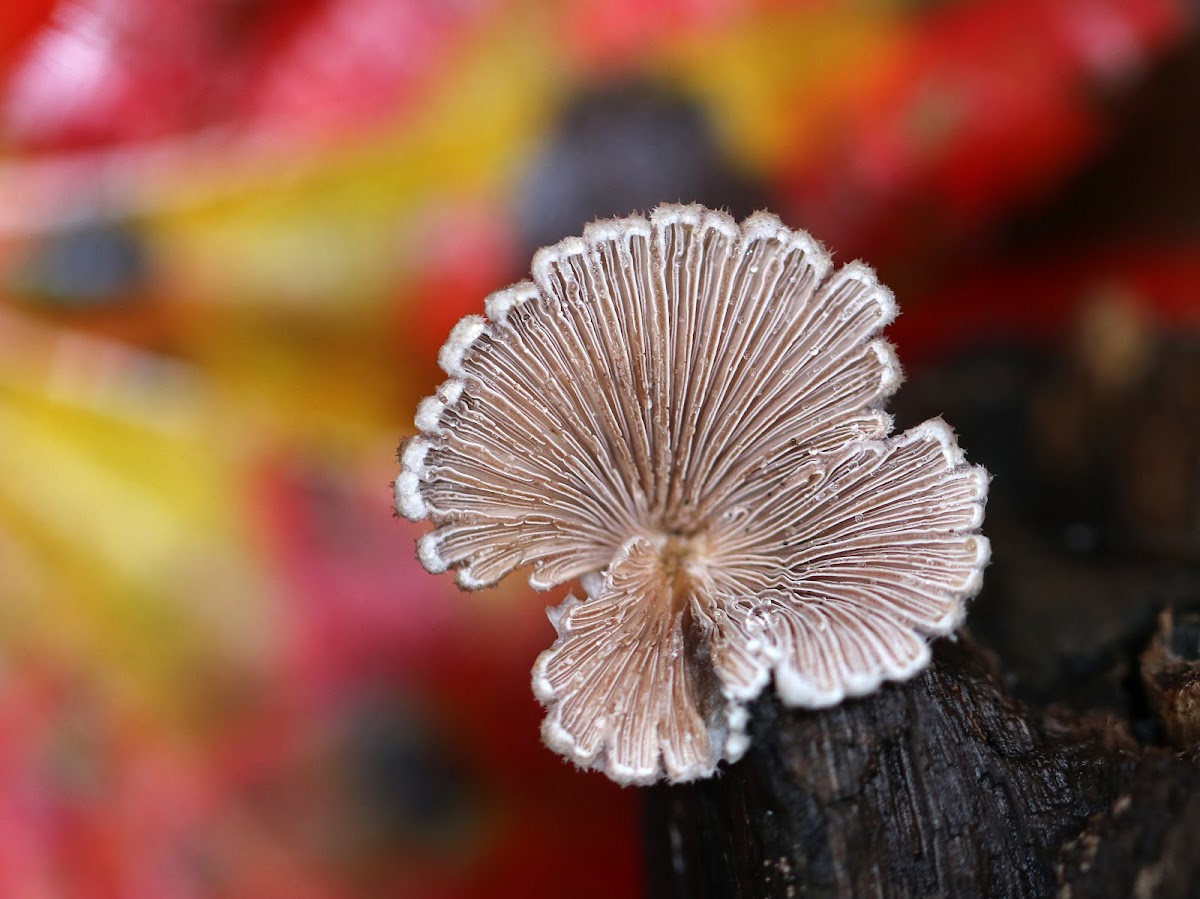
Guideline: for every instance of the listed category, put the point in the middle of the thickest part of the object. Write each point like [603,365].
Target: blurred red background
[233,234]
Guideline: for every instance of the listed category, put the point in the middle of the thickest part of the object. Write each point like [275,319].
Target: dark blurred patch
[1185,639]
[1115,430]
[1094,511]
[87,265]
[626,147]
[406,780]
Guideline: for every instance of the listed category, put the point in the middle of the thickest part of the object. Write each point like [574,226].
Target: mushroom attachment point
[686,414]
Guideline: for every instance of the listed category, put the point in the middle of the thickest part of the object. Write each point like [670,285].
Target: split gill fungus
[686,415]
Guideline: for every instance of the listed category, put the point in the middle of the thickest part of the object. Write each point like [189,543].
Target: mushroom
[686,415]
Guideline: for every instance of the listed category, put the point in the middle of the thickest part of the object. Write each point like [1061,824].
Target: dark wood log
[1171,672]
[943,786]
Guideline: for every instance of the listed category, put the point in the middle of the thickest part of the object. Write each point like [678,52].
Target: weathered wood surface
[944,786]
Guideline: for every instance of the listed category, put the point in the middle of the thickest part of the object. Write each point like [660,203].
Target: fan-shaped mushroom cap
[687,414]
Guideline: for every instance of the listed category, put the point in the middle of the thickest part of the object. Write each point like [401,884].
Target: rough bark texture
[944,786]
[1171,672]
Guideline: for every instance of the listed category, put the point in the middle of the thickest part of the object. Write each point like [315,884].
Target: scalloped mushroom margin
[499,306]
[798,691]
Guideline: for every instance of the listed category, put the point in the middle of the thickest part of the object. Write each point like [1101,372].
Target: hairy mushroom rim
[687,415]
